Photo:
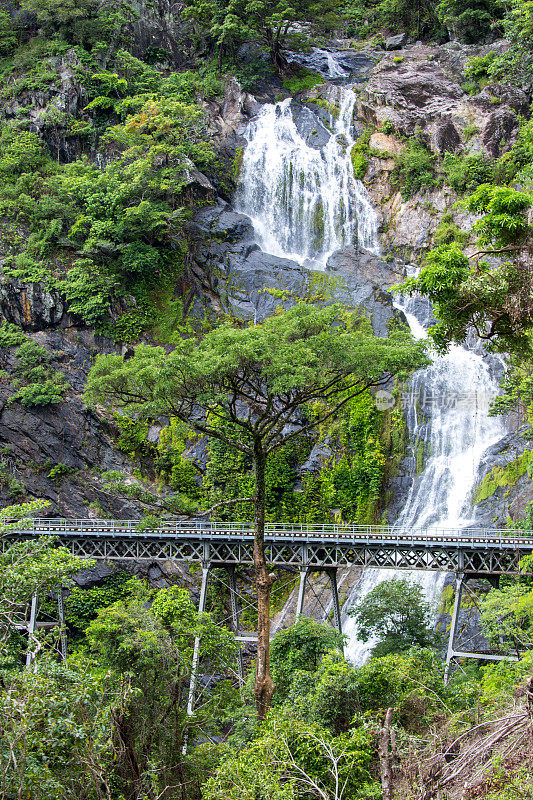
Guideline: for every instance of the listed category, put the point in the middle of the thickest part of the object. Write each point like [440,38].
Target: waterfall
[447,409]
[297,183]
[297,186]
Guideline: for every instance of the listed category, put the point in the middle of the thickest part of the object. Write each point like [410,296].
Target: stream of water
[305,203]
[303,199]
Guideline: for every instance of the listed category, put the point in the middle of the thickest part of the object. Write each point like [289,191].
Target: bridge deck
[478,551]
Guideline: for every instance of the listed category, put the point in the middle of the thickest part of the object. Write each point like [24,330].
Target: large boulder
[361,282]
[447,139]
[343,66]
[310,128]
[220,220]
[234,276]
[395,42]
[501,94]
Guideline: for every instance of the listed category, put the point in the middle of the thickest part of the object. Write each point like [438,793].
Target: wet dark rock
[310,128]
[365,267]
[32,306]
[395,42]
[508,501]
[251,52]
[319,455]
[220,220]
[237,106]
[353,64]
[501,127]
[447,139]
[91,577]
[235,276]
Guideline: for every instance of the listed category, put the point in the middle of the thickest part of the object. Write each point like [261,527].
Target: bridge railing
[340,532]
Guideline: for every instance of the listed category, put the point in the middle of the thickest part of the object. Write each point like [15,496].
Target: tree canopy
[269,382]
[396,613]
[488,291]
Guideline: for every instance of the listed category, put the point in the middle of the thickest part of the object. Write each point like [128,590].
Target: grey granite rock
[395,42]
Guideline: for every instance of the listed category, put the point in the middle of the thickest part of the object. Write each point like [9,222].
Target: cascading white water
[447,415]
[303,200]
[305,203]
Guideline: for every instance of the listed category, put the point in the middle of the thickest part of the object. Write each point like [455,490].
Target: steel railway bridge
[469,553]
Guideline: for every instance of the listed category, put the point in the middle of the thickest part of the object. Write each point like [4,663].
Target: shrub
[301,84]
[40,394]
[414,170]
[465,173]
[10,335]
[478,67]
[40,385]
[359,154]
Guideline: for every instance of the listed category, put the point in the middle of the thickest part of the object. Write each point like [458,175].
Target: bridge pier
[33,623]
[452,654]
[230,569]
[196,650]
[301,592]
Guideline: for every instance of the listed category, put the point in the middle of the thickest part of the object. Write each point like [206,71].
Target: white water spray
[305,203]
[303,200]
[447,409]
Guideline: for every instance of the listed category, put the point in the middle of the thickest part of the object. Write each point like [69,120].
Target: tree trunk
[276,55]
[384,757]
[264,686]
[278,59]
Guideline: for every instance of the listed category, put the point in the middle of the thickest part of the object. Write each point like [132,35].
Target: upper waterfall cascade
[297,183]
[305,204]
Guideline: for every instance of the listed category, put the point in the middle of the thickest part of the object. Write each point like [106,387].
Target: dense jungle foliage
[108,144]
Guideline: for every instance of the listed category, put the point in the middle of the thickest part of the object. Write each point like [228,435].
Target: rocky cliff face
[60,451]
[416,94]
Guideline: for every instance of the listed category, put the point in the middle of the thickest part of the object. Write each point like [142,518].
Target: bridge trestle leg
[450,654]
[30,655]
[196,650]
[301,592]
[61,617]
[332,574]
[235,618]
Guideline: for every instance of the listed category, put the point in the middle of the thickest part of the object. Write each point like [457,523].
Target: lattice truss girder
[491,561]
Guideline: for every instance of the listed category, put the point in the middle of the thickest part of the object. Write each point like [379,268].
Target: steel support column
[31,630]
[301,592]
[230,569]
[450,653]
[61,617]
[196,651]
[332,575]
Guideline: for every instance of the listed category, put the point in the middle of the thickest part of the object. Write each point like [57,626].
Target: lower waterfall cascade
[305,204]
[447,408]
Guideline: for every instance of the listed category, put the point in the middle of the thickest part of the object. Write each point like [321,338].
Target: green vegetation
[465,173]
[108,144]
[306,356]
[414,170]
[397,614]
[500,477]
[302,84]
[359,154]
[472,293]
[106,722]
[36,383]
